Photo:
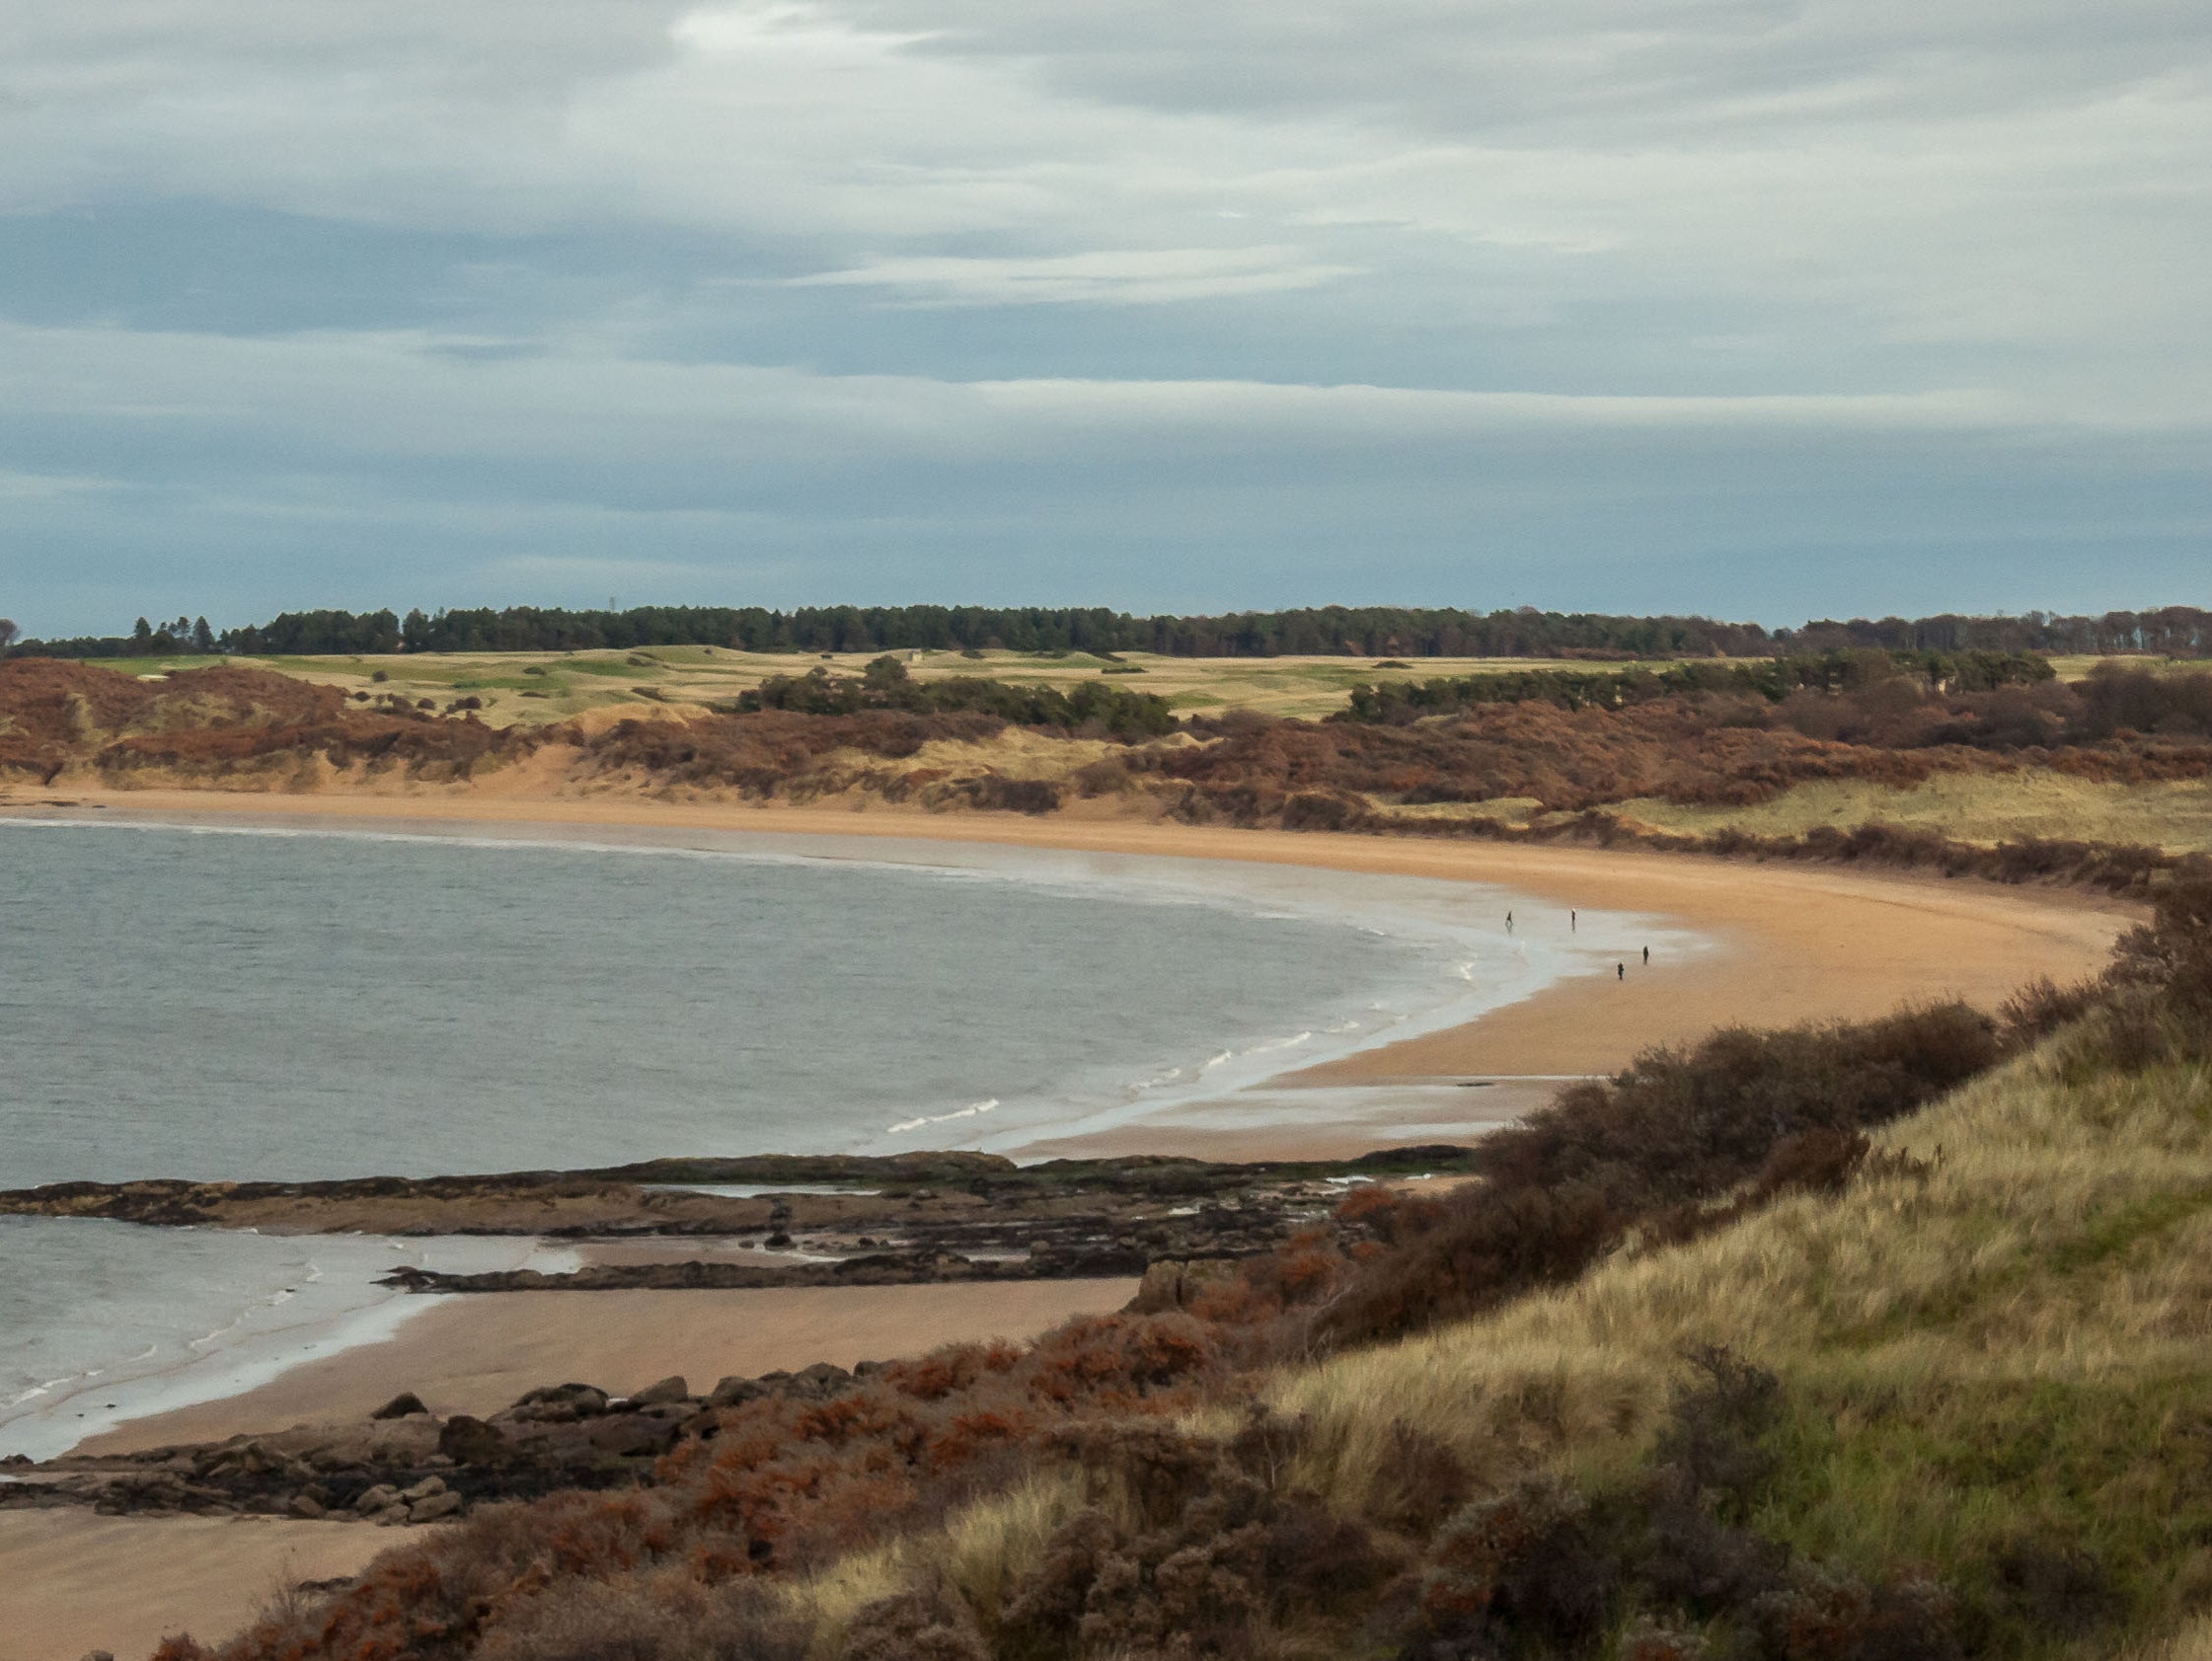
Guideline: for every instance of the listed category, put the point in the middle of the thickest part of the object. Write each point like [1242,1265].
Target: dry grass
[2020,1343]
[1984,809]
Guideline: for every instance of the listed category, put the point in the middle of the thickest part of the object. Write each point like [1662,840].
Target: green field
[534,688]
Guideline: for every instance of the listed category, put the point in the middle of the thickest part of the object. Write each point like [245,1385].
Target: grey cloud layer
[955,262]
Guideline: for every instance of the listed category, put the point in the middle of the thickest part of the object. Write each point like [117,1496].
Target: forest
[1326,631]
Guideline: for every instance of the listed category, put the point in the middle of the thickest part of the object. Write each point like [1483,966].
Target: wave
[968,1112]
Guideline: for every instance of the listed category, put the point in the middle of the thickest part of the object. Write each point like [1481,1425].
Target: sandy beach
[63,1593]
[477,1354]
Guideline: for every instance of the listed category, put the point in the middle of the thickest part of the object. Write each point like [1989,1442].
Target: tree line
[1323,631]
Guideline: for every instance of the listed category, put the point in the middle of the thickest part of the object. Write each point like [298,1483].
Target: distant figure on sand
[1508,922]
[1648,954]
[1620,971]
[1572,921]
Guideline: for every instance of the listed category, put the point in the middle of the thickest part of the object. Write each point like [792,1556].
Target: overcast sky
[1754,308]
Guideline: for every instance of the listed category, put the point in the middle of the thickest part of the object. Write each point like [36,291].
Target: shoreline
[1434,925]
[1794,941]
[1782,943]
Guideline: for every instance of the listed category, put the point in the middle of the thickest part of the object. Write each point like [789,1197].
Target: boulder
[404,1405]
[307,1508]
[556,1405]
[437,1506]
[735,1392]
[671,1389]
[376,1499]
[391,1517]
[820,1380]
[468,1441]
[633,1435]
[1169,1284]
[423,1490]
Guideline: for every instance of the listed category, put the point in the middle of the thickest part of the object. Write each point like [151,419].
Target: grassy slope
[1986,808]
[2015,1347]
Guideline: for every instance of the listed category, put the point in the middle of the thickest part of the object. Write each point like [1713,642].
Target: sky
[1766,309]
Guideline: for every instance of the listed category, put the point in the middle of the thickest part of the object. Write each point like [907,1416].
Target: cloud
[1118,277]
[716,285]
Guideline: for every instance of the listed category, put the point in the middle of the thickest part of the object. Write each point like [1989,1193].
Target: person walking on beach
[1647,956]
[1508,922]
[1572,921]
[1620,971]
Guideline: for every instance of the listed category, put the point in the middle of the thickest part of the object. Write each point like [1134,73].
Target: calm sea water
[283,1004]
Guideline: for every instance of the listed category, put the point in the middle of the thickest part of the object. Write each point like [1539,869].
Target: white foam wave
[972,1111]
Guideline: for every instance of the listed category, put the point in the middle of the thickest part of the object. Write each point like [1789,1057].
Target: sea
[278,1001]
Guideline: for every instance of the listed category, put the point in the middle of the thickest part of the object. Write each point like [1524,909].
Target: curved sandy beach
[1797,941]
[1794,941]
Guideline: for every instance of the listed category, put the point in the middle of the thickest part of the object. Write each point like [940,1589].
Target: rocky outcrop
[417,1468]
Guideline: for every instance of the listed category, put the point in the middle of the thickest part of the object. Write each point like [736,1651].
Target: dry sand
[477,1353]
[71,1582]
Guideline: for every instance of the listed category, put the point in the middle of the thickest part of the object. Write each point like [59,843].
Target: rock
[468,1441]
[376,1499]
[423,1490]
[735,1392]
[431,1509]
[556,1405]
[820,1380]
[633,1435]
[306,1507]
[404,1405]
[670,1388]
[401,1444]
[1171,1285]
[391,1517]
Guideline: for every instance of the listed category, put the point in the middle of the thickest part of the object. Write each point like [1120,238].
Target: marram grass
[2013,1346]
